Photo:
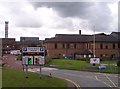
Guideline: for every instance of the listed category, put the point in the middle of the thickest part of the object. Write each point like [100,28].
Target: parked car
[15,52]
[68,56]
[102,67]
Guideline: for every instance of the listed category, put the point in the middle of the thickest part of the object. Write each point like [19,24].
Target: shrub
[83,59]
[48,60]
[118,63]
[56,57]
[19,58]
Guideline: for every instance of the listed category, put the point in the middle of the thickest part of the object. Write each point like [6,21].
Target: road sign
[30,61]
[27,60]
[33,56]
[33,49]
[36,60]
[94,60]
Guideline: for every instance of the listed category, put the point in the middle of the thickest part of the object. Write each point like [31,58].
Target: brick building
[28,42]
[7,44]
[71,44]
[105,45]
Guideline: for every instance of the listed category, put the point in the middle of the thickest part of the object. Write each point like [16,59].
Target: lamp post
[94,42]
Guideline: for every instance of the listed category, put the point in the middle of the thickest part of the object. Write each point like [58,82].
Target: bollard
[50,75]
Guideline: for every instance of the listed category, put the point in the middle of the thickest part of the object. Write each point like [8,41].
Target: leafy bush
[19,58]
[55,57]
[118,63]
[48,60]
[83,59]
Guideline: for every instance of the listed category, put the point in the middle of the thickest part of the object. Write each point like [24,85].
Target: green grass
[110,69]
[69,64]
[109,62]
[0,77]
[16,78]
[83,65]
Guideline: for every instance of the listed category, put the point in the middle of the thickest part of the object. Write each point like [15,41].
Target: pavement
[81,79]
[10,61]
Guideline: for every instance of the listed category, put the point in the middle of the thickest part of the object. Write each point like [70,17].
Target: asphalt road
[84,79]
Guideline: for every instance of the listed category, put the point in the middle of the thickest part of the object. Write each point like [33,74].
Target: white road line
[96,77]
[77,86]
[110,80]
[106,84]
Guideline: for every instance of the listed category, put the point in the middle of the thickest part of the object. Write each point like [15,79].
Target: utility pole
[94,42]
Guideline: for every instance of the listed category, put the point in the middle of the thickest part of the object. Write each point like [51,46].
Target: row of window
[75,46]
[63,46]
[105,55]
[113,46]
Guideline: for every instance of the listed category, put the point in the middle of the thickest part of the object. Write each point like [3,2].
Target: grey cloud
[97,14]
[119,16]
[66,9]
[21,17]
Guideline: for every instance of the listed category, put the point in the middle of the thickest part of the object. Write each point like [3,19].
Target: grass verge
[0,77]
[69,64]
[83,65]
[16,78]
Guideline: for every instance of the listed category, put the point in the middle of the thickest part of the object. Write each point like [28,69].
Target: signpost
[33,56]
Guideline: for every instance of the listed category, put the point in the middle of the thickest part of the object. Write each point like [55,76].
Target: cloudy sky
[45,19]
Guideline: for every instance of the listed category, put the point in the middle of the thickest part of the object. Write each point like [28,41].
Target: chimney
[6,29]
[79,32]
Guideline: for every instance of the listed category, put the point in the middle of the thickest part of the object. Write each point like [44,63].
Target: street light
[94,42]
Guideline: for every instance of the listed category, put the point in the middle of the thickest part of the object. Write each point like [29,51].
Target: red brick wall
[52,52]
[110,51]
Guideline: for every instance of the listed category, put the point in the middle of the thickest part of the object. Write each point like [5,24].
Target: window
[113,55]
[101,55]
[101,46]
[55,45]
[68,46]
[106,47]
[106,55]
[87,46]
[75,46]
[118,45]
[63,45]
[113,46]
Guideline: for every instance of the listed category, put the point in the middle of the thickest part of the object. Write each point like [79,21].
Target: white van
[15,52]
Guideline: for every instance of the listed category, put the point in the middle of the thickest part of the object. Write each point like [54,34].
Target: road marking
[110,80]
[77,86]
[90,78]
[103,82]
[106,84]
[96,77]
